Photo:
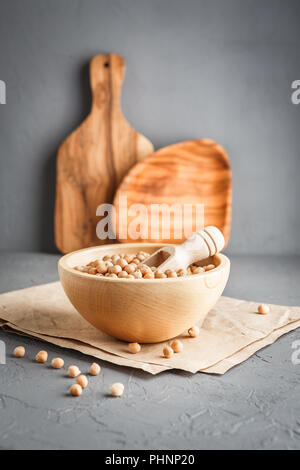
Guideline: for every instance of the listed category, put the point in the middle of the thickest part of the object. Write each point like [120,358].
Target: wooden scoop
[199,246]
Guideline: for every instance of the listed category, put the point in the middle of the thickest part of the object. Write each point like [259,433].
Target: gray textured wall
[195,68]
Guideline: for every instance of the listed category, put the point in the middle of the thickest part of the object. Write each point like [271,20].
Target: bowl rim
[62,263]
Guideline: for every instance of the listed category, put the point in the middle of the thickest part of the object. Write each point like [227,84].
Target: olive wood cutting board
[92,161]
[192,172]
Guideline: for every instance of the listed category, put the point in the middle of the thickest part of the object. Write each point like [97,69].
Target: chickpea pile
[126,267]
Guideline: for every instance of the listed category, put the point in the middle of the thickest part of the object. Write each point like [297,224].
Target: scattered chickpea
[19,351]
[57,363]
[168,352]
[75,390]
[82,381]
[73,371]
[116,389]
[95,369]
[263,309]
[134,348]
[177,346]
[41,357]
[194,331]
[209,267]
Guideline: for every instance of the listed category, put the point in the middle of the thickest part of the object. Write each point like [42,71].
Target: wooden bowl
[142,310]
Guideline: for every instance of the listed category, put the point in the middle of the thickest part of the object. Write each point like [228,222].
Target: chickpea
[137,274]
[263,309]
[102,267]
[92,264]
[19,351]
[92,271]
[136,261]
[141,256]
[160,275]
[41,357]
[197,269]
[177,346]
[123,274]
[168,352]
[194,331]
[115,259]
[130,276]
[57,363]
[73,371]
[100,275]
[129,258]
[80,268]
[134,348]
[209,267]
[122,263]
[75,390]
[116,389]
[172,273]
[111,275]
[106,258]
[149,275]
[181,272]
[144,269]
[153,269]
[95,369]
[109,264]
[85,269]
[82,381]
[143,253]
[115,269]
[189,271]
[130,268]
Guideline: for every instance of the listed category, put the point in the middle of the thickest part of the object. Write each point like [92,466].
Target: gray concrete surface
[195,68]
[253,406]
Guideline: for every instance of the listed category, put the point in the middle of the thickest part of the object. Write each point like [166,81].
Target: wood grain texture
[92,161]
[142,310]
[192,172]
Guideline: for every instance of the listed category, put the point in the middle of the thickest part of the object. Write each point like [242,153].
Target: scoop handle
[203,244]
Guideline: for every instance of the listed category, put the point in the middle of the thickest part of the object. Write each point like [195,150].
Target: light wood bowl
[142,310]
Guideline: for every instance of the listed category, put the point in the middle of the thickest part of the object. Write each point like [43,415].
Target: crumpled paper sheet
[231,332]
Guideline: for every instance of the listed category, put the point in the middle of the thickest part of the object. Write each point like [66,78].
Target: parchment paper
[231,333]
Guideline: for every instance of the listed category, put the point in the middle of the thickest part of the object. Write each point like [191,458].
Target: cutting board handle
[106,78]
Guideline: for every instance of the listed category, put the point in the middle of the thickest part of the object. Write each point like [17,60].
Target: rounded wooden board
[192,173]
[92,161]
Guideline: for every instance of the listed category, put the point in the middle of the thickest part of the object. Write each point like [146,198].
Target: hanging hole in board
[106,64]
